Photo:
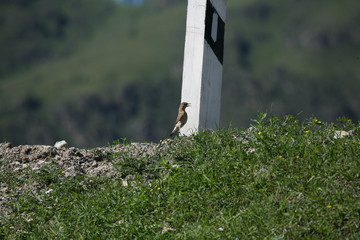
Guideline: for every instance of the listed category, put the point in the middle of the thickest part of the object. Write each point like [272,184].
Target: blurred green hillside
[93,71]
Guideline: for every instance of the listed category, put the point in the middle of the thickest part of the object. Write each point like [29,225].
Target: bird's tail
[174,131]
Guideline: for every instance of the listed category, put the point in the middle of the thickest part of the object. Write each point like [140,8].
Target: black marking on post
[218,45]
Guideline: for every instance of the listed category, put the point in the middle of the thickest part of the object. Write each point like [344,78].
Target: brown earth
[21,161]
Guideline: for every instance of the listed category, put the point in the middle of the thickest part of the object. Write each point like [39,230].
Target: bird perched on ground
[181,118]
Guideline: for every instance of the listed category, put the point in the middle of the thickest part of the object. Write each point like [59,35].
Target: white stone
[61,144]
[49,191]
[341,134]
[125,183]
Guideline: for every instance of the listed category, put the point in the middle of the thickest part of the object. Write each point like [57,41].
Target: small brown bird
[181,118]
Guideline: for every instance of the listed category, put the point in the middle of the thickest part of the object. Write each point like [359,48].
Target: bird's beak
[189,105]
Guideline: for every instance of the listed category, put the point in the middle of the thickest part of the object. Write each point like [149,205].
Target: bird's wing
[180,115]
[183,119]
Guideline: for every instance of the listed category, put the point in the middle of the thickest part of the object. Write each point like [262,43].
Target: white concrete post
[203,64]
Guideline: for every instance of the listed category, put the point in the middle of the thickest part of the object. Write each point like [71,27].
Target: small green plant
[123,141]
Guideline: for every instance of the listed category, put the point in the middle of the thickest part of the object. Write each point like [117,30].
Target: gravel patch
[24,159]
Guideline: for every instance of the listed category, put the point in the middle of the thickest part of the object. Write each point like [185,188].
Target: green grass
[280,179]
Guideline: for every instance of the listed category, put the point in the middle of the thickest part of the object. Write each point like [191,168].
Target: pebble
[61,144]
[341,134]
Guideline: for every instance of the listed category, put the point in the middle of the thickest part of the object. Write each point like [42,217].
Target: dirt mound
[74,161]
[21,161]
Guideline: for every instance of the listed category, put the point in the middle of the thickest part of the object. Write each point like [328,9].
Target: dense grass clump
[279,179]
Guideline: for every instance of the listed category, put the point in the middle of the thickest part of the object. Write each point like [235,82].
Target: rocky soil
[24,159]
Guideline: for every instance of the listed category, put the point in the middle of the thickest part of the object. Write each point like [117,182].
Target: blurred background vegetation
[91,71]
